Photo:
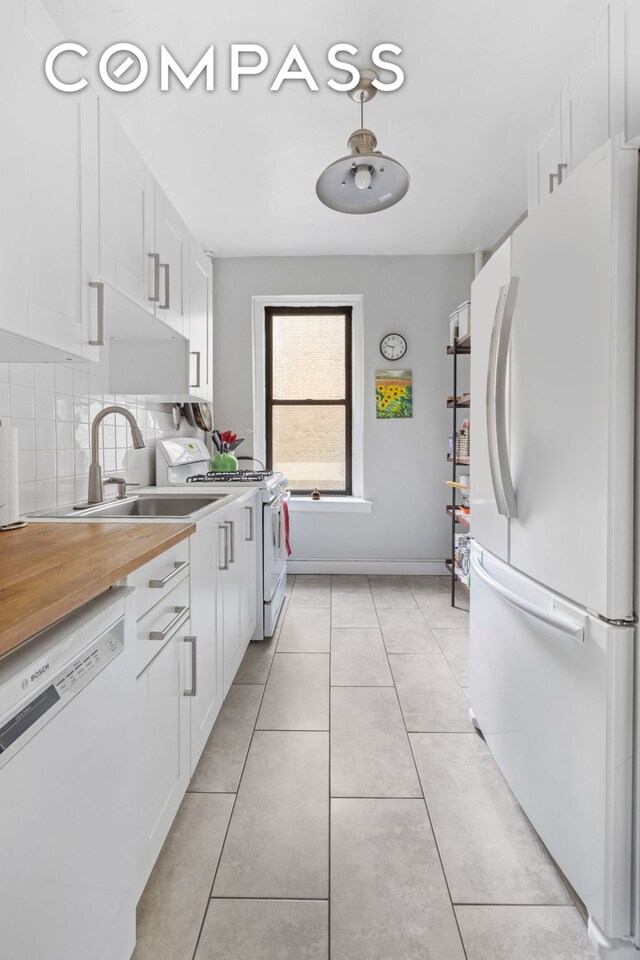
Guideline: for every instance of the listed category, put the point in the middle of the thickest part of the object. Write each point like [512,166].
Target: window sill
[330,505]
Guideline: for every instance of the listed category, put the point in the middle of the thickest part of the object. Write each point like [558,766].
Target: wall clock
[393,346]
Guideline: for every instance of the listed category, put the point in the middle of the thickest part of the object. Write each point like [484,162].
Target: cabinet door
[624,31]
[126,216]
[200,322]
[585,99]
[248,570]
[172,247]
[545,153]
[207,669]
[229,597]
[53,188]
[162,731]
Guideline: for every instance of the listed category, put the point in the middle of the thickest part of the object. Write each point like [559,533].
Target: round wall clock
[393,346]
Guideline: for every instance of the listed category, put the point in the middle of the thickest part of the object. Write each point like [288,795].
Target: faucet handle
[121,484]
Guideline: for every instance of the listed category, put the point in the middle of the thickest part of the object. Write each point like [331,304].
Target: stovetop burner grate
[237,476]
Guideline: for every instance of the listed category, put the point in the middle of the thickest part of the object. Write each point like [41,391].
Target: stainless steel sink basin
[172,507]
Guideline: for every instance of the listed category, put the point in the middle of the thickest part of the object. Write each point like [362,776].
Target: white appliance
[553,638]
[185,460]
[67,788]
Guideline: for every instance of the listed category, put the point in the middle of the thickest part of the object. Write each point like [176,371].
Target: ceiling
[241,167]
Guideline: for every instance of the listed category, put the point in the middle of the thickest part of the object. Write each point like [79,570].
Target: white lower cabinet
[237,584]
[207,650]
[163,748]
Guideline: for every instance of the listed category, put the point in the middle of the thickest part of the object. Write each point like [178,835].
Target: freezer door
[572,385]
[489,527]
[552,690]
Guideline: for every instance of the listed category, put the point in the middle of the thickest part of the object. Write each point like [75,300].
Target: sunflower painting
[394,394]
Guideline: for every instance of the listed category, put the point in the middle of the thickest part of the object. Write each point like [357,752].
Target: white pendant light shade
[363,182]
[366,181]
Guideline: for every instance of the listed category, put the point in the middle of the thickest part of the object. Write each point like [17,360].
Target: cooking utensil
[201,422]
[187,413]
[176,410]
[207,417]
[235,444]
[217,439]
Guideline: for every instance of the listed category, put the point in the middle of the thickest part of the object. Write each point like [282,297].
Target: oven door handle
[283,498]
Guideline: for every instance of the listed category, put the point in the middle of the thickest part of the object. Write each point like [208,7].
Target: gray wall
[404,460]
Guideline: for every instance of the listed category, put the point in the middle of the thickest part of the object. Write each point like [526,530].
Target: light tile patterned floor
[344,809]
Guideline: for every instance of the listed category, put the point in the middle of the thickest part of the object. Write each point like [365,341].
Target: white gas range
[185,460]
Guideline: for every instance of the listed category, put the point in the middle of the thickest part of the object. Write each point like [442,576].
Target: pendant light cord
[362,109]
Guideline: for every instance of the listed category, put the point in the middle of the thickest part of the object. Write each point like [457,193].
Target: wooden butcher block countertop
[47,570]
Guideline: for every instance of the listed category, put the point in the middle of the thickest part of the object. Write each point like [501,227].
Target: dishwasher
[67,788]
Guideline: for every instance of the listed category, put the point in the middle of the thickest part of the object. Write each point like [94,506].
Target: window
[308,396]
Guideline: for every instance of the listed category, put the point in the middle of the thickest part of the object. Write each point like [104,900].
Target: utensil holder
[224,463]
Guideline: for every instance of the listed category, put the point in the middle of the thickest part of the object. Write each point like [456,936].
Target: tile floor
[345,809]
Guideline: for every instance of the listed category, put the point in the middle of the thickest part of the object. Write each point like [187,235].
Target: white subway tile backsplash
[65,464]
[45,434]
[64,407]
[26,432]
[45,494]
[22,401]
[45,464]
[45,405]
[22,373]
[26,465]
[53,405]
[64,378]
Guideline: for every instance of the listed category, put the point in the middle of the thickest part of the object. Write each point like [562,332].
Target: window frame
[270,402]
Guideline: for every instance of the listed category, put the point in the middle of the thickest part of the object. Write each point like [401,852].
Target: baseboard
[398,567]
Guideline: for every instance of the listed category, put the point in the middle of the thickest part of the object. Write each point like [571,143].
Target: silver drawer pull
[249,539]
[182,614]
[231,524]
[225,529]
[159,584]
[194,683]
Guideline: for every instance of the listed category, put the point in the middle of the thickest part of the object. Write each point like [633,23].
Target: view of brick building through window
[309,397]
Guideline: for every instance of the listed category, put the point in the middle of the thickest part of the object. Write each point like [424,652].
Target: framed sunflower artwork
[394,394]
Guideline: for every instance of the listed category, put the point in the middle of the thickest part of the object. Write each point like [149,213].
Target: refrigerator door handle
[496,401]
[572,628]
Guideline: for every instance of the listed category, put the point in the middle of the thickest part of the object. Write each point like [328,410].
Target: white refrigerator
[554,553]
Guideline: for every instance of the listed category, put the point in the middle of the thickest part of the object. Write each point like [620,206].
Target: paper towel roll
[9,511]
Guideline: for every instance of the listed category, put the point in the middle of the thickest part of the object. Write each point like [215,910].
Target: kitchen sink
[170,507]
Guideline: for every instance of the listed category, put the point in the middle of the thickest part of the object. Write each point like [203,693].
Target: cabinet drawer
[159,624]
[165,572]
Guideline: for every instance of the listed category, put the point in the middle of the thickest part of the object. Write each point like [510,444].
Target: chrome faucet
[95,470]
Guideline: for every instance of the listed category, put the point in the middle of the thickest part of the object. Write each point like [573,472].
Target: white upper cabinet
[200,322]
[170,263]
[585,99]
[625,70]
[600,98]
[546,158]
[47,200]
[126,216]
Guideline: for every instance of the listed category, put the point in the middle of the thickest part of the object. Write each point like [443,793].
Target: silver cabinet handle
[232,540]
[99,341]
[178,567]
[167,297]
[194,665]
[250,538]
[557,176]
[156,277]
[182,614]
[225,564]
[196,354]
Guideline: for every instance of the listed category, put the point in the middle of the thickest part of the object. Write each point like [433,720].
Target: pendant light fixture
[366,181]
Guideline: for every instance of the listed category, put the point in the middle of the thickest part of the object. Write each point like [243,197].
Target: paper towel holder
[11,526]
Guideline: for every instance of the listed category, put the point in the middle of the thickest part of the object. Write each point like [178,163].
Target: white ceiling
[241,168]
